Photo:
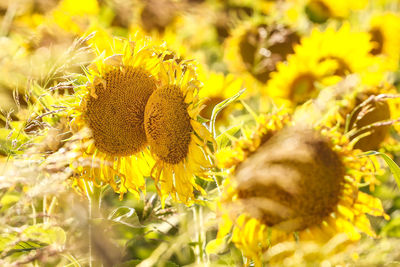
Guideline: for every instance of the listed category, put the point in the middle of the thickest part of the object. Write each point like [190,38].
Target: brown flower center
[157,15]
[377,38]
[302,88]
[262,48]
[167,124]
[342,68]
[317,11]
[293,181]
[115,112]
[378,111]
[210,103]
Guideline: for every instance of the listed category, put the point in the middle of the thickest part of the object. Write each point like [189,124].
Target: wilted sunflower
[109,117]
[324,58]
[256,48]
[383,29]
[318,198]
[177,141]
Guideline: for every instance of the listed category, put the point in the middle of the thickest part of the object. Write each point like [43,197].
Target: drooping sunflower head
[168,124]
[111,106]
[303,198]
[300,183]
[176,139]
[258,47]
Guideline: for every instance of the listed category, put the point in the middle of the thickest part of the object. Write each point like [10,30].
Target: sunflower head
[319,11]
[259,47]
[299,184]
[368,113]
[374,111]
[115,110]
[109,115]
[218,87]
[168,124]
[303,198]
[157,15]
[177,141]
[324,59]
[383,28]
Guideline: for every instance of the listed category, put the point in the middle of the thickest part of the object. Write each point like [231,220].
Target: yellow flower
[177,141]
[321,10]
[73,15]
[256,48]
[218,87]
[322,59]
[109,117]
[291,182]
[383,30]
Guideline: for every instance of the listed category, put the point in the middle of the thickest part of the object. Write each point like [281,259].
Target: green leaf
[9,199]
[52,235]
[392,228]
[132,263]
[224,138]
[125,215]
[31,238]
[6,239]
[221,106]
[394,168]
[215,246]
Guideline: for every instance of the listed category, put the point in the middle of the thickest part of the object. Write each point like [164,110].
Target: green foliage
[394,168]
[221,106]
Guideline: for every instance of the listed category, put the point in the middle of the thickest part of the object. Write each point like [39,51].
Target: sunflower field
[199,133]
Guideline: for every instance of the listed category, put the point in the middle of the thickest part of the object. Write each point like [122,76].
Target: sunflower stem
[198,219]
[93,194]
[44,208]
[89,196]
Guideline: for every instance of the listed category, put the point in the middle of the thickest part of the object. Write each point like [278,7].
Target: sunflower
[155,16]
[73,16]
[177,141]
[367,115]
[383,29]
[108,115]
[218,87]
[318,199]
[320,11]
[256,48]
[323,59]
